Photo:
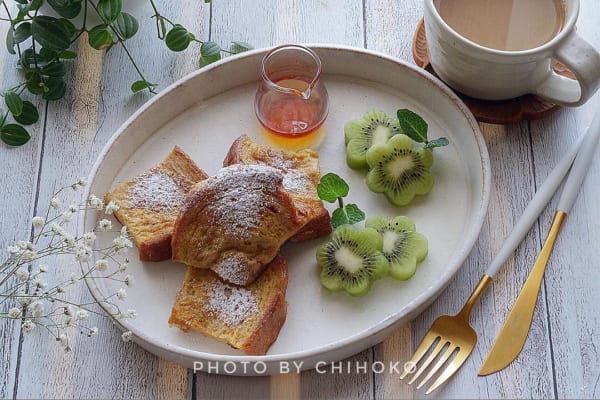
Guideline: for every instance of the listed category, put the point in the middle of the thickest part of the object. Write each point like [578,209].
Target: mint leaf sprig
[333,188]
[416,128]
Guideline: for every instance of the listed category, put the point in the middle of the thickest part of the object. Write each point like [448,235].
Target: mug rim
[572,12]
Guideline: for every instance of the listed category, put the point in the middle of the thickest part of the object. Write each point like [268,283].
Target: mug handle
[584,61]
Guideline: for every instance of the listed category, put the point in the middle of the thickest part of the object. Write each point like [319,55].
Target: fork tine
[425,344]
[454,365]
[429,359]
[438,364]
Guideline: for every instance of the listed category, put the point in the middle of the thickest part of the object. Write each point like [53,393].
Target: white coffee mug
[491,74]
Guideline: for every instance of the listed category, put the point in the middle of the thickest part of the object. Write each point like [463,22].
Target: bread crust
[256,333]
[302,173]
[150,223]
[235,222]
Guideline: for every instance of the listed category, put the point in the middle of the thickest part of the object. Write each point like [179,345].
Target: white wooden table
[561,357]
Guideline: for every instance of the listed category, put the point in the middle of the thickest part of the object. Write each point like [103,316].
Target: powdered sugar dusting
[155,190]
[233,270]
[243,194]
[230,303]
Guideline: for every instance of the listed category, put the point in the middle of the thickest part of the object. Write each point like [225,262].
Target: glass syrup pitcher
[291,100]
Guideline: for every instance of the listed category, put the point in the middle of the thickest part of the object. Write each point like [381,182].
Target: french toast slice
[247,318]
[235,222]
[149,203]
[301,175]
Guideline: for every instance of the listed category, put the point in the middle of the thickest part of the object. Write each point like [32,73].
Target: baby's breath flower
[25,300]
[74,278]
[127,336]
[131,313]
[82,314]
[43,268]
[129,280]
[89,238]
[40,283]
[68,322]
[73,208]
[101,265]
[121,294]
[104,225]
[82,182]
[123,267]
[92,331]
[60,289]
[15,313]
[69,239]
[23,245]
[13,250]
[57,229]
[28,326]
[55,203]
[95,202]
[124,232]
[38,222]
[67,216]
[63,340]
[68,311]
[36,309]
[83,253]
[29,255]
[111,207]
[22,274]
[122,243]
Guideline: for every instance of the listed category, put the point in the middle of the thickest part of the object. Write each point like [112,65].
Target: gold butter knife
[513,334]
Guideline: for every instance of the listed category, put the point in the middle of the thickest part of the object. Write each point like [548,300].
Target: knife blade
[512,336]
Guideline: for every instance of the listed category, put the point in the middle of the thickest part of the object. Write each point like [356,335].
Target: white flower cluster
[34,301]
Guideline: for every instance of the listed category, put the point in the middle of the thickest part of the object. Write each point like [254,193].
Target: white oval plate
[204,112]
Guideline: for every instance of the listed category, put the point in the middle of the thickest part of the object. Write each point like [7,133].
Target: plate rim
[178,353]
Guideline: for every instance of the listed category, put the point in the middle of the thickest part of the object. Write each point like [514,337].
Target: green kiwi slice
[403,247]
[351,260]
[399,170]
[374,128]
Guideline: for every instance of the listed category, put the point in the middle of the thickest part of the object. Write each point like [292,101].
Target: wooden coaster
[528,107]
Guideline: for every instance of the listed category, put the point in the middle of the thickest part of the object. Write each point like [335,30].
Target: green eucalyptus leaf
[100,37]
[178,38]
[56,88]
[66,8]
[67,55]
[69,26]
[34,82]
[138,86]
[28,59]
[209,53]
[50,32]
[14,135]
[10,42]
[109,10]
[22,32]
[126,25]
[331,186]
[29,115]
[14,103]
[413,125]
[35,5]
[55,69]
[239,47]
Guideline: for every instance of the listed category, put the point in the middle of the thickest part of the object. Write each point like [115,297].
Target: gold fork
[451,339]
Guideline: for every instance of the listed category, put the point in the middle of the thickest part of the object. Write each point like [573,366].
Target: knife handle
[580,166]
[534,209]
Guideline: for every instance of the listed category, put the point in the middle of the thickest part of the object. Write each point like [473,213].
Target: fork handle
[580,166]
[535,208]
